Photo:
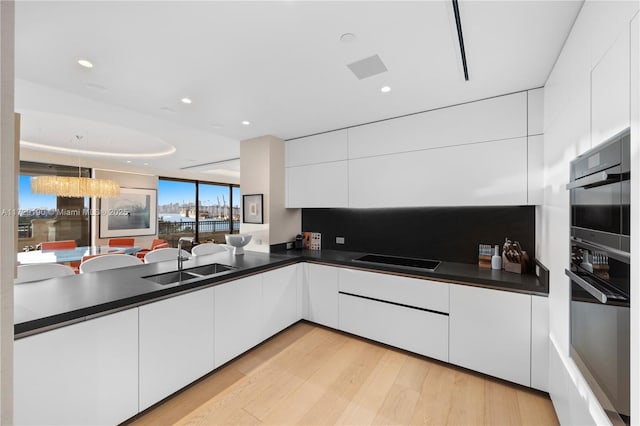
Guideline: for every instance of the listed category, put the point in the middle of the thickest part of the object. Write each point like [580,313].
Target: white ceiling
[280,65]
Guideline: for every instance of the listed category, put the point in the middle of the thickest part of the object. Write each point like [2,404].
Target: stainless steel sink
[214,268]
[191,274]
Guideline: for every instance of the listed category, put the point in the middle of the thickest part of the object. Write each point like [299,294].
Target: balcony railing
[204,225]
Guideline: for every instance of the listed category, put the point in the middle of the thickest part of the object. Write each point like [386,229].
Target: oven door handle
[602,298]
[622,256]
[596,178]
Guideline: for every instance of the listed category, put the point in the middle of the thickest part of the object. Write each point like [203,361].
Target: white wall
[262,171]
[574,121]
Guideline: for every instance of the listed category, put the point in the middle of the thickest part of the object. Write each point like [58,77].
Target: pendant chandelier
[72,186]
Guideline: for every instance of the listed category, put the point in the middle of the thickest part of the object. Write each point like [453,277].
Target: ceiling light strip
[209,164]
[456,13]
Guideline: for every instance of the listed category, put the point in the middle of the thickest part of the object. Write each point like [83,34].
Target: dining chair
[58,245]
[162,254]
[207,248]
[122,242]
[155,244]
[41,271]
[108,261]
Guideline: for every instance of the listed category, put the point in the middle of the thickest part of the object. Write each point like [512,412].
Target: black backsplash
[442,233]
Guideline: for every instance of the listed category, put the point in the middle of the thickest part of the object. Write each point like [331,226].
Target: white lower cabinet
[279,300]
[490,332]
[176,344]
[237,317]
[415,330]
[320,294]
[81,374]
[408,313]
[540,343]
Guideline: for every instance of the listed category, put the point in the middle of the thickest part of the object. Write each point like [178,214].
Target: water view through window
[203,210]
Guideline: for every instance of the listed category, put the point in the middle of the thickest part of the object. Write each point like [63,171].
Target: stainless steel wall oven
[600,273]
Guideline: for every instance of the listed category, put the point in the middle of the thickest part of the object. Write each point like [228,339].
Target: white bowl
[238,241]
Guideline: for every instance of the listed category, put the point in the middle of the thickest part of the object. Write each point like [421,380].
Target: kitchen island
[99,348]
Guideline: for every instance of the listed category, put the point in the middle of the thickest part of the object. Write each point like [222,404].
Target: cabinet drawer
[415,292]
[415,330]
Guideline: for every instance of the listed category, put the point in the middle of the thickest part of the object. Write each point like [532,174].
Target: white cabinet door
[415,330]
[318,185]
[535,167]
[535,111]
[490,332]
[322,148]
[320,300]
[491,173]
[81,374]
[280,300]
[237,317]
[415,292]
[497,118]
[540,343]
[176,344]
[610,91]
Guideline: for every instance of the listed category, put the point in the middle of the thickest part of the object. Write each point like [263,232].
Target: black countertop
[51,303]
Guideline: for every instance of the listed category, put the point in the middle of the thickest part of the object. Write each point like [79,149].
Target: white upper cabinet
[502,117]
[610,91]
[535,111]
[490,173]
[322,148]
[535,164]
[318,185]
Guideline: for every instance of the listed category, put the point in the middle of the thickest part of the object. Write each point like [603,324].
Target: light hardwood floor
[311,375]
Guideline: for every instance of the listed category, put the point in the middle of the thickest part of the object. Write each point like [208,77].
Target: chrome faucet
[180,258]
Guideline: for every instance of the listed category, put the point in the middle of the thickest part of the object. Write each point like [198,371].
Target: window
[204,210]
[47,217]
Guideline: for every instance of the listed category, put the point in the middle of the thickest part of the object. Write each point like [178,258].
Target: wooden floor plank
[314,375]
[366,403]
[467,399]
[434,403]
[536,408]
[501,404]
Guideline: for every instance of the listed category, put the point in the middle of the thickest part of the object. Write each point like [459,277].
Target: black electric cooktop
[429,265]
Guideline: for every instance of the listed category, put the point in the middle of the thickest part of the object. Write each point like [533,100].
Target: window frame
[197,183]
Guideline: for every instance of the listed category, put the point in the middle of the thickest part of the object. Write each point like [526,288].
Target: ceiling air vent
[368,67]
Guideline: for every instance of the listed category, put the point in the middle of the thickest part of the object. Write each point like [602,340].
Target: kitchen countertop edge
[456,273]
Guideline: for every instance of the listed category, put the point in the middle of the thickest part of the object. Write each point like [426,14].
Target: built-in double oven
[600,273]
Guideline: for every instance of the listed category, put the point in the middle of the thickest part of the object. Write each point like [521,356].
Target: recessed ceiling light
[246,123]
[128,161]
[85,63]
[347,37]
[385,89]
[146,164]
[186,100]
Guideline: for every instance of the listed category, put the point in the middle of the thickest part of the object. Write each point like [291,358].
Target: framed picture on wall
[132,213]
[252,208]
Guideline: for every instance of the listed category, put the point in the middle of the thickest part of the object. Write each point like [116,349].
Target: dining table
[71,255]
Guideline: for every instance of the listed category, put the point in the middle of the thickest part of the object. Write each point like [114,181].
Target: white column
[8,202]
